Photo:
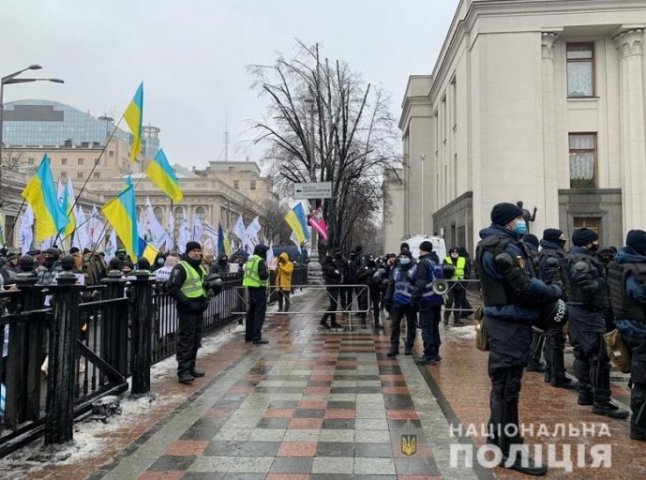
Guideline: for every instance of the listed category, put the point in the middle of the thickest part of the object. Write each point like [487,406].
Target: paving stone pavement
[322,405]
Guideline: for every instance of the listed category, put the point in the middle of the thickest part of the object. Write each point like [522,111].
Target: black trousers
[429,322]
[591,364]
[400,311]
[554,351]
[509,351]
[189,334]
[454,300]
[362,301]
[333,293]
[283,297]
[375,299]
[255,313]
[536,348]
[637,348]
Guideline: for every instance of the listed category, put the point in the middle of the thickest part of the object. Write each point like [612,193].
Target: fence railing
[66,345]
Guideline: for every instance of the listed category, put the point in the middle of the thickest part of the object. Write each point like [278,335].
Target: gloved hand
[516,276]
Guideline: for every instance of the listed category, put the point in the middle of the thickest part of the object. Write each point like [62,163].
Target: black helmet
[553,316]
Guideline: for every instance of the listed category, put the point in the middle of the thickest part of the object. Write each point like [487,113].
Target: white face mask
[404,261]
[454,255]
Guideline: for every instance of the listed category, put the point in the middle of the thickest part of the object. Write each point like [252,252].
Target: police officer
[514,297]
[256,279]
[552,268]
[588,302]
[627,282]
[429,304]
[399,301]
[535,363]
[332,277]
[186,285]
[457,291]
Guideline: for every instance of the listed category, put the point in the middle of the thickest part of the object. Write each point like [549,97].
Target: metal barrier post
[141,332]
[23,368]
[63,351]
[114,343]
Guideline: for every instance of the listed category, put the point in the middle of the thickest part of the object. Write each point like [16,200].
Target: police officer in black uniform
[588,302]
[552,268]
[514,298]
[428,303]
[186,286]
[538,340]
[627,282]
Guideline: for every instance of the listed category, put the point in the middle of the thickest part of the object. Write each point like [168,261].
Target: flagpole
[96,163]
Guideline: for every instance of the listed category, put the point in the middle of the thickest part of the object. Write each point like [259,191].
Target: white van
[439,247]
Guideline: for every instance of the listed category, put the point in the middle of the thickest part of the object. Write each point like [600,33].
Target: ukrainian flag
[162,174]
[121,212]
[300,214]
[294,223]
[40,193]
[148,251]
[134,116]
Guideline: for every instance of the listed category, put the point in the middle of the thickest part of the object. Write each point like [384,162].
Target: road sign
[303,191]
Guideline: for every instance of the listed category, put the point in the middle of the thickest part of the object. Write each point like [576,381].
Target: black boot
[324,324]
[585,398]
[609,409]
[394,351]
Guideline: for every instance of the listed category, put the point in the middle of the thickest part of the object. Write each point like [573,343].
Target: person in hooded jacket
[221,265]
[186,286]
[10,269]
[514,298]
[256,279]
[399,301]
[627,281]
[588,302]
[284,270]
[552,268]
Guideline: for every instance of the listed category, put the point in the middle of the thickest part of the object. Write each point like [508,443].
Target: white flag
[81,239]
[196,233]
[184,234]
[252,231]
[158,235]
[271,259]
[111,246]
[94,228]
[170,229]
[241,232]
[26,230]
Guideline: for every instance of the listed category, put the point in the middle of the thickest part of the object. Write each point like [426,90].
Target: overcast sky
[192,56]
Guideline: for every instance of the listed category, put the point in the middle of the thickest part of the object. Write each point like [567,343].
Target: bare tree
[275,227]
[326,124]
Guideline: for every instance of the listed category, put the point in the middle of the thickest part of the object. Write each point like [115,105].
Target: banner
[318,222]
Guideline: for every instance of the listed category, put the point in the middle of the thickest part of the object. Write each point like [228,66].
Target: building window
[580,69]
[97,174]
[97,161]
[593,223]
[63,174]
[236,184]
[30,161]
[252,185]
[583,160]
[63,161]
[80,175]
[80,161]
[110,153]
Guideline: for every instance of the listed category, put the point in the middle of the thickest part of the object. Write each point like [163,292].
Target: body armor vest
[600,301]
[558,276]
[624,307]
[494,292]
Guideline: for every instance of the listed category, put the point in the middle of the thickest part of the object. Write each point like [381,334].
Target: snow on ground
[466,331]
[91,437]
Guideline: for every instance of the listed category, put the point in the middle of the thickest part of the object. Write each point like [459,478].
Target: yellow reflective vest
[193,285]
[251,277]
[459,266]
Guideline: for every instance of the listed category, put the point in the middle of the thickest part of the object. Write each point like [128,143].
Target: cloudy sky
[192,56]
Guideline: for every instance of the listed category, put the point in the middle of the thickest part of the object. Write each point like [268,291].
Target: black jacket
[174,285]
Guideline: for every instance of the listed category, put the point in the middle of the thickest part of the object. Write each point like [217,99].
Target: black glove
[516,276]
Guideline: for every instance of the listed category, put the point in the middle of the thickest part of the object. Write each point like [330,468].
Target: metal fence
[66,345]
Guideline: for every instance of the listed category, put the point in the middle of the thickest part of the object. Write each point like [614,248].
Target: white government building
[542,101]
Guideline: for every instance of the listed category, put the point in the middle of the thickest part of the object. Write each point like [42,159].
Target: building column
[550,170]
[633,138]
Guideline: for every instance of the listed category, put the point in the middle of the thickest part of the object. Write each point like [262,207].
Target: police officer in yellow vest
[256,279]
[186,285]
[456,266]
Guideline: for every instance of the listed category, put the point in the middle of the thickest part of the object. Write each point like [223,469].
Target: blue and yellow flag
[40,193]
[148,251]
[162,174]
[300,214]
[295,224]
[134,115]
[121,212]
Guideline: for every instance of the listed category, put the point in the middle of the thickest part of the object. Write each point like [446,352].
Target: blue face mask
[520,228]
[404,261]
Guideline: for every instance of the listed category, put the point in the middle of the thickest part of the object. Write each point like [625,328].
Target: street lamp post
[9,80]
[314,254]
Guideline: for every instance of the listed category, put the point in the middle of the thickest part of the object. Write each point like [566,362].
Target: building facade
[541,101]
[90,150]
